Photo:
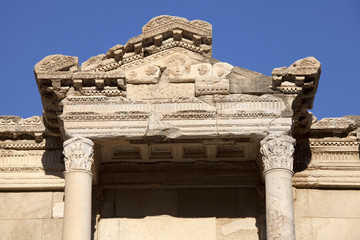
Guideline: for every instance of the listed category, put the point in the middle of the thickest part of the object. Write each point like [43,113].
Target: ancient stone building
[157,140]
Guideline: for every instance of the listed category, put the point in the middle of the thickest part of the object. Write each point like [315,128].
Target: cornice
[13,127]
[302,79]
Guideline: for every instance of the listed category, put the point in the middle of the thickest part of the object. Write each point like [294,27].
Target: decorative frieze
[30,160]
[277,152]
[78,154]
[14,126]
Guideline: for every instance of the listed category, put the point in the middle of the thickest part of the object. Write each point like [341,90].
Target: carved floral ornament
[277,152]
[78,153]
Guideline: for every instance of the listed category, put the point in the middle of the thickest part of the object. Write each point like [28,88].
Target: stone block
[335,228]
[58,210]
[207,202]
[303,228]
[29,229]
[58,205]
[109,229]
[58,197]
[24,205]
[137,203]
[301,203]
[52,229]
[238,228]
[334,203]
[166,227]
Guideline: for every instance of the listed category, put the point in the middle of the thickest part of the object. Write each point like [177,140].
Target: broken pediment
[154,72]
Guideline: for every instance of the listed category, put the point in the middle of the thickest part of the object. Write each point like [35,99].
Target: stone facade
[157,140]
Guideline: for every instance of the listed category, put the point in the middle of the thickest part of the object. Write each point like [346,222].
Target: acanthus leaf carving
[277,152]
[78,154]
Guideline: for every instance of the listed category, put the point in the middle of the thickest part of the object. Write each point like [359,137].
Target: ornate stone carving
[277,152]
[54,63]
[179,70]
[147,74]
[302,79]
[212,79]
[78,153]
[164,23]
[300,74]
[14,126]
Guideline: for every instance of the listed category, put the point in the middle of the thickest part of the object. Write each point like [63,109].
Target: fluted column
[277,157]
[78,181]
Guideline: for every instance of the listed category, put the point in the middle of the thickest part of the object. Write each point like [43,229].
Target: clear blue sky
[257,35]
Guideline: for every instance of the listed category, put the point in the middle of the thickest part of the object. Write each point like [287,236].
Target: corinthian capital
[277,152]
[78,153]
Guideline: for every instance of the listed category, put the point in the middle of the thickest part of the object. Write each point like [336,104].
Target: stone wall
[31,215]
[327,214]
[211,213]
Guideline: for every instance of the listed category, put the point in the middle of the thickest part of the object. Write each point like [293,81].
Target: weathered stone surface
[334,125]
[334,203]
[58,205]
[231,229]
[25,205]
[355,118]
[165,227]
[52,229]
[304,228]
[14,126]
[305,66]
[147,74]
[54,63]
[212,79]
[165,23]
[92,63]
[162,90]
[109,229]
[301,203]
[29,229]
[335,228]
[246,81]
[58,210]
[279,204]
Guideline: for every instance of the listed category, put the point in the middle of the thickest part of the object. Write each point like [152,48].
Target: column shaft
[279,205]
[77,212]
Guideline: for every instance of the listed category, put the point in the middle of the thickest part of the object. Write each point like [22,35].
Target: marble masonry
[156,140]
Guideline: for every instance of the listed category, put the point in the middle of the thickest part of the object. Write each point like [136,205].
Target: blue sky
[257,35]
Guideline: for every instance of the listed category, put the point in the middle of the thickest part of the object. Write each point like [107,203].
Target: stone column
[277,157]
[78,181]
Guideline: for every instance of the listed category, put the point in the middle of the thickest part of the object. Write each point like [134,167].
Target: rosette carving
[277,152]
[78,153]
